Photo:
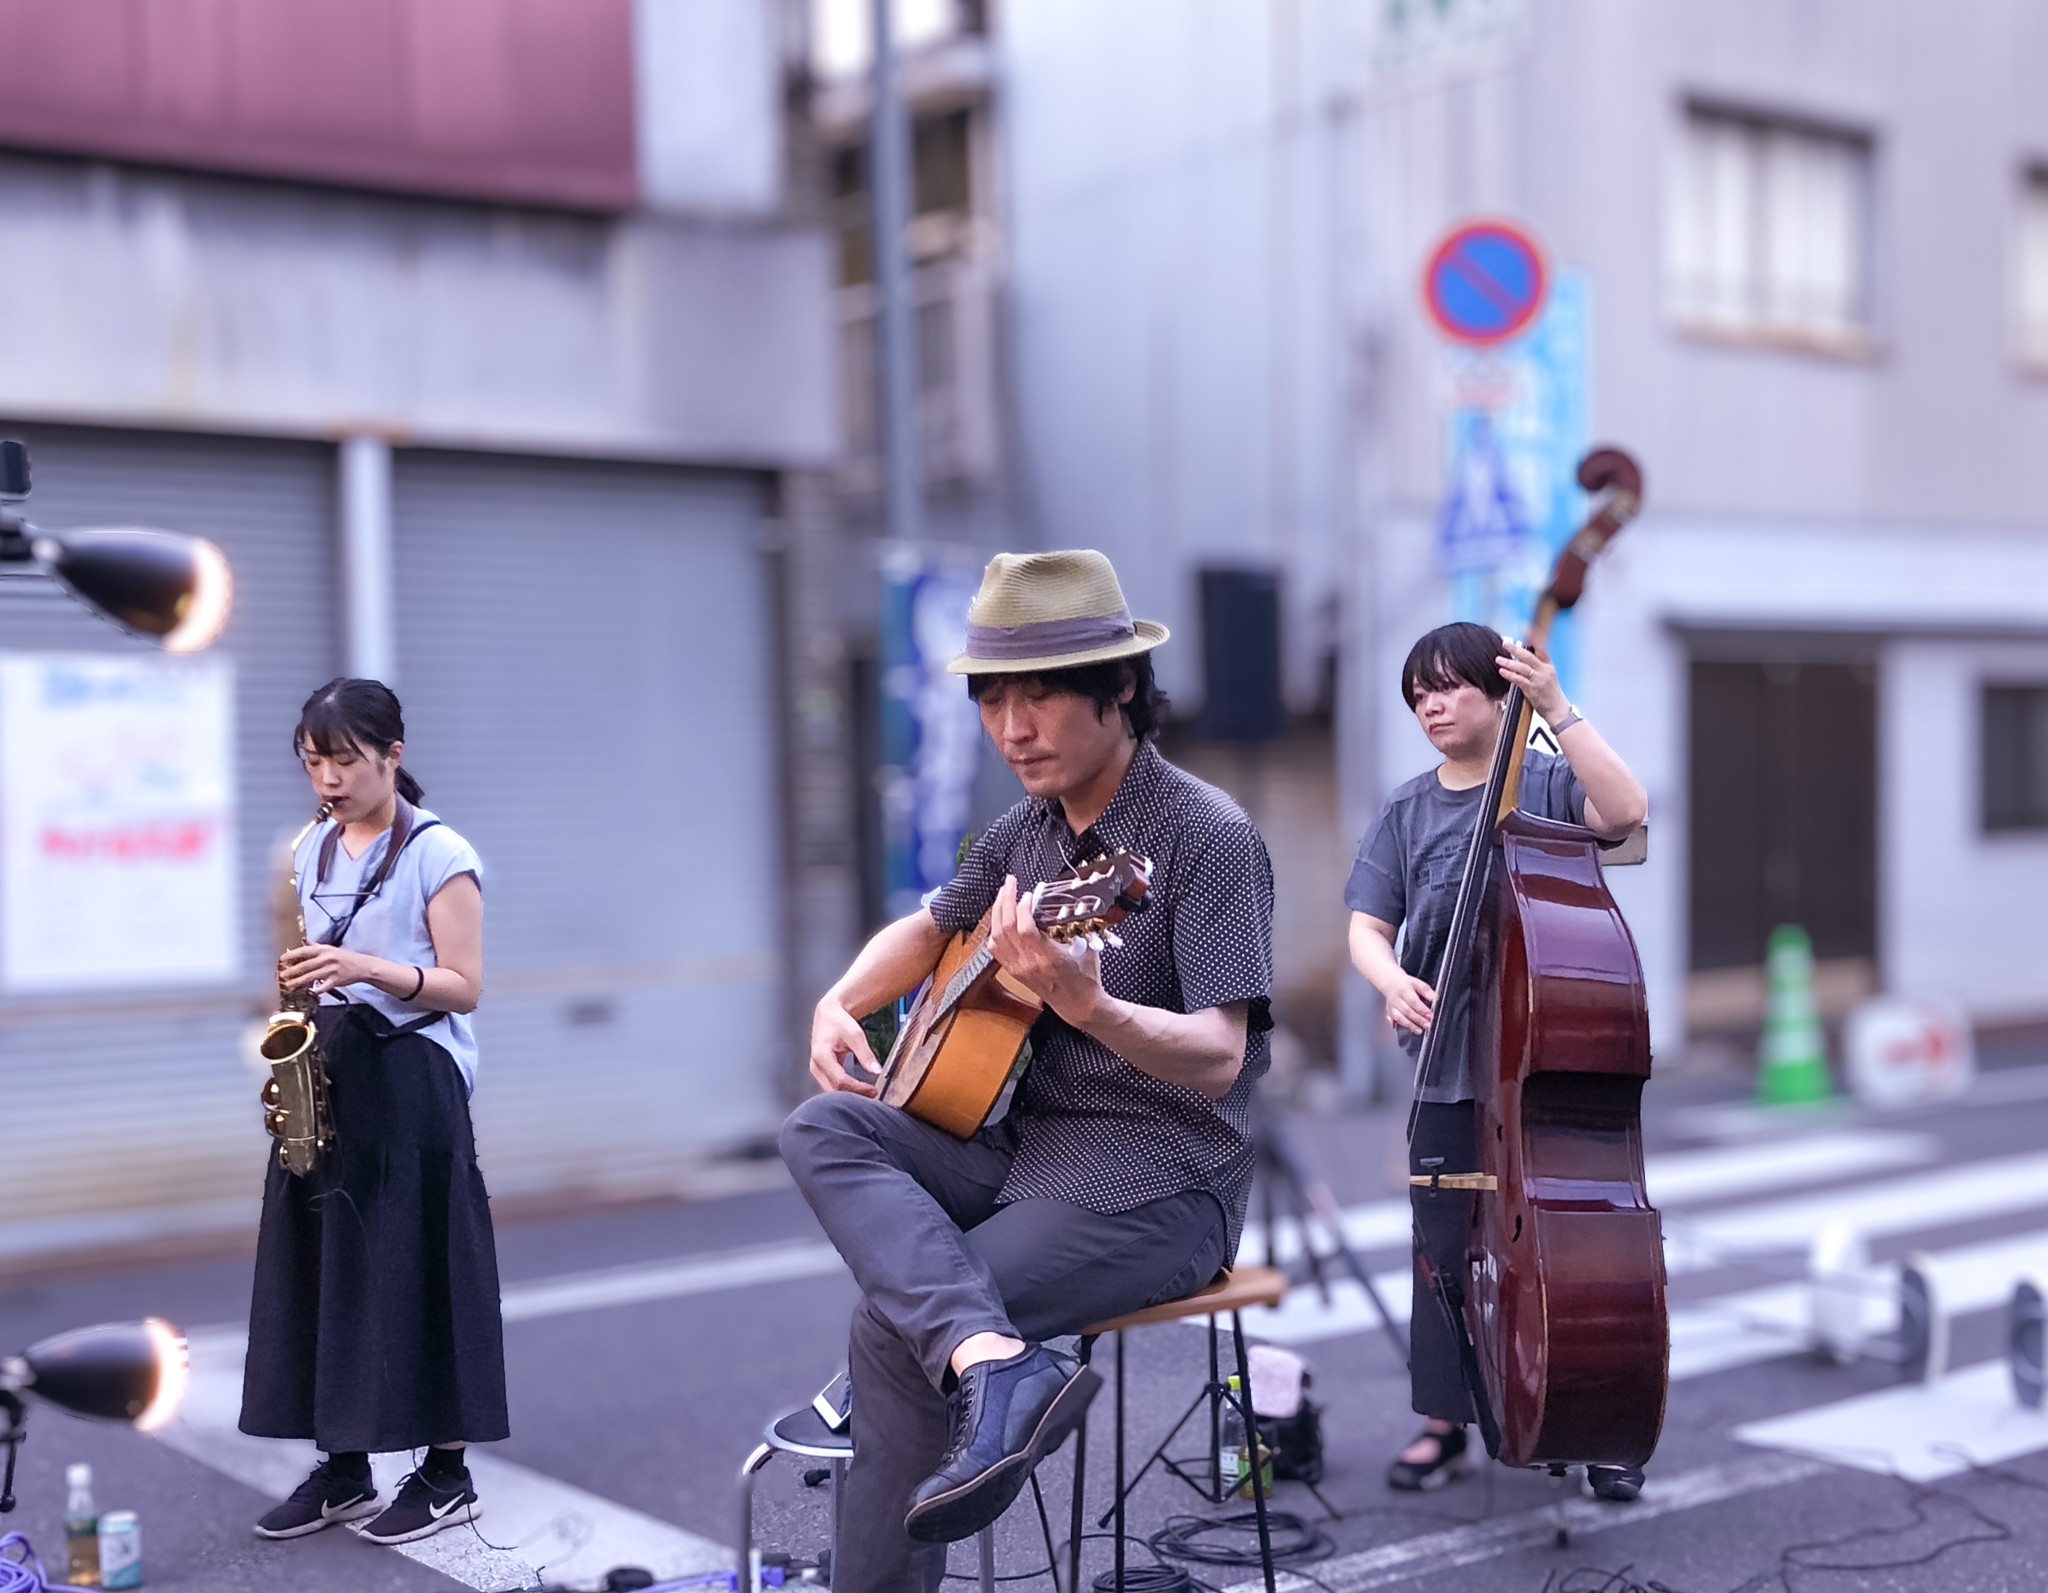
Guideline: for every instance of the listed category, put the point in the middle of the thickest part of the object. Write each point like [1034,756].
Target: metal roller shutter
[131,1115]
[586,665]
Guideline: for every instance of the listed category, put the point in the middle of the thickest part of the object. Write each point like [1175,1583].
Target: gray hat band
[1049,638]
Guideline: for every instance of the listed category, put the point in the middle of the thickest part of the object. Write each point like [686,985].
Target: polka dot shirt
[1086,1126]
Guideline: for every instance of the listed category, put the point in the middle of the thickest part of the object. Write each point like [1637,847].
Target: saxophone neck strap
[404,831]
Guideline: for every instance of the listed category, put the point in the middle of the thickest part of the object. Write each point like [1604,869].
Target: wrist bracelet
[1571,717]
[418,984]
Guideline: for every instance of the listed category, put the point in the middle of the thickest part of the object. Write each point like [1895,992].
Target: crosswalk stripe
[668,1280]
[546,1524]
[1993,1188]
[1436,1552]
[1919,1431]
[1753,1325]
[1735,1329]
[1673,1177]
[1677,1178]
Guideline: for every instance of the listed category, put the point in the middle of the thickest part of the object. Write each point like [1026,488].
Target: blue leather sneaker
[1007,1416]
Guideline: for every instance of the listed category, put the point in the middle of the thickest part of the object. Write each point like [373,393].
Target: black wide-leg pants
[914,1212]
[1443,1238]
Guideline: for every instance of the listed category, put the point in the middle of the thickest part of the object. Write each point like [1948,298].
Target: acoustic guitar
[963,1044]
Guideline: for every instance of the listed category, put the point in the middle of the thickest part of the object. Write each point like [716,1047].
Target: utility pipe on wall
[369,625]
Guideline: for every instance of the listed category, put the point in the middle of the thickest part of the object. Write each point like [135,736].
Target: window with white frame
[2033,267]
[1768,229]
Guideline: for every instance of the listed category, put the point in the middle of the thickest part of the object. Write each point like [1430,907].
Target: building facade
[1809,251]
[495,347]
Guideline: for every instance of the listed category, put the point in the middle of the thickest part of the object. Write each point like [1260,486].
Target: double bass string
[1450,972]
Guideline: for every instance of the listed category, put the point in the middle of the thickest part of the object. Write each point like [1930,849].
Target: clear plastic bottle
[81,1528]
[1236,1456]
[1237,1451]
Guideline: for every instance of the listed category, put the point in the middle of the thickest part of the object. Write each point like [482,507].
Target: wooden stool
[1231,1291]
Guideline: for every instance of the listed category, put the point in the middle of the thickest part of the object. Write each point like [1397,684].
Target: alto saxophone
[295,1108]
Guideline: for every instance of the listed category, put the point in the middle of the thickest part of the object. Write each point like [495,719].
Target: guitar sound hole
[1518,1227]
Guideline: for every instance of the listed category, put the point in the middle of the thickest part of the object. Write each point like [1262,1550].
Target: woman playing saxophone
[374,1325]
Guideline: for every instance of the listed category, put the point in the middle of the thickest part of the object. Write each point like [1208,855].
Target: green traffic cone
[1792,1062]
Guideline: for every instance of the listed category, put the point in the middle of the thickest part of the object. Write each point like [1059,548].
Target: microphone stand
[1283,1178]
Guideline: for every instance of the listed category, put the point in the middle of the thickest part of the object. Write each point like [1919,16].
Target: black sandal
[1420,1476]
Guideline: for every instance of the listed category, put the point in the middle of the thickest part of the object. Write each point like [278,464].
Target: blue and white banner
[931,732]
[1517,430]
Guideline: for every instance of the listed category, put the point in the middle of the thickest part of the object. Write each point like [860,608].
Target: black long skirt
[375,1321]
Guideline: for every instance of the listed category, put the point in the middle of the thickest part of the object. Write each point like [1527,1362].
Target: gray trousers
[914,1213]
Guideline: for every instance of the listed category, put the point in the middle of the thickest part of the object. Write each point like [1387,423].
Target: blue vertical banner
[1517,430]
[931,732]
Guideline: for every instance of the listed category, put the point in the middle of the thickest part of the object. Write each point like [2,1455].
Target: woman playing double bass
[1456,681]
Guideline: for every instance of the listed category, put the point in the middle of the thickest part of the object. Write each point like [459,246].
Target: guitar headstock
[1091,900]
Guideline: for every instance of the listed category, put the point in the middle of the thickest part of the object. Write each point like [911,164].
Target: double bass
[1560,1313]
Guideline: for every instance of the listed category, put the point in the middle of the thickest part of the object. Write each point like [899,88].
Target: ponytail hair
[350,715]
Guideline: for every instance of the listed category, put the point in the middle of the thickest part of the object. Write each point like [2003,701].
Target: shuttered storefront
[586,664]
[129,1114]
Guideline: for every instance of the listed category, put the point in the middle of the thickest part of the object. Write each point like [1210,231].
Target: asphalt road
[640,1382]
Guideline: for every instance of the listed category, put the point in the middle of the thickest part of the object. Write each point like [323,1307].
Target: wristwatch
[1571,717]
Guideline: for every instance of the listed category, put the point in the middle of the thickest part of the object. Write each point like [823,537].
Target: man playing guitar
[1118,1177]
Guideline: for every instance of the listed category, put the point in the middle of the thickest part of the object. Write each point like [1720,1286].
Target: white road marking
[1436,1552]
[1673,1178]
[1994,1188]
[669,1280]
[1677,1178]
[545,1524]
[1753,1325]
[1736,1329]
[1919,1431]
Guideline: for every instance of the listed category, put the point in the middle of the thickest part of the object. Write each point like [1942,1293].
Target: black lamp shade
[164,584]
[119,1371]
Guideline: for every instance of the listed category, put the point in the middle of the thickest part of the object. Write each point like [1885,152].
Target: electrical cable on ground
[21,1571]
[1805,1557]
[1295,1541]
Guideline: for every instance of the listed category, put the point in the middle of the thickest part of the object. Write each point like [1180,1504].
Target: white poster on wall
[117,819]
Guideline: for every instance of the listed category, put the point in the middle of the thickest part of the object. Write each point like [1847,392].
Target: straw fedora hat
[1039,611]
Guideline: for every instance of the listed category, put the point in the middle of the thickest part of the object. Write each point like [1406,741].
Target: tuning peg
[1113,938]
[1097,941]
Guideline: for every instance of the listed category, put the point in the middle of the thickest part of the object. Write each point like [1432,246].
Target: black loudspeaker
[1241,655]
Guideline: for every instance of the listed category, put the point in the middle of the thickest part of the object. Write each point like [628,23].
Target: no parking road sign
[1485,282]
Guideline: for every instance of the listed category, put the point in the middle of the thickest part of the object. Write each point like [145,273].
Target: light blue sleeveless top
[392,923]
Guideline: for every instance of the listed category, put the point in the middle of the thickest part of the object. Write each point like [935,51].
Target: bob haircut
[1102,684]
[1451,656]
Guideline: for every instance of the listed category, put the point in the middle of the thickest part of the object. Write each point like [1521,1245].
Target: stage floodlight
[164,584]
[119,1371]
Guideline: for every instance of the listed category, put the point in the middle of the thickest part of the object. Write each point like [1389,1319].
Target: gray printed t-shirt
[1407,875]
[393,923]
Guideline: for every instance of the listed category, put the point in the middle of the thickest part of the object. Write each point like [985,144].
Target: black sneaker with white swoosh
[423,1508]
[323,1499]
